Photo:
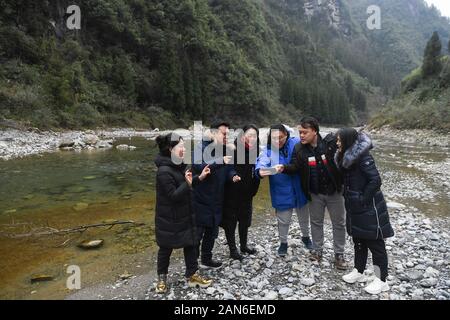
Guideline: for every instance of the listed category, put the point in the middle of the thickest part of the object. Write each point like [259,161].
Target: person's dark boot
[339,262]
[231,240]
[243,233]
[235,255]
[211,263]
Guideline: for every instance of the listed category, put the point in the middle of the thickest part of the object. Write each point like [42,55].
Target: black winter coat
[174,219]
[239,196]
[367,214]
[299,163]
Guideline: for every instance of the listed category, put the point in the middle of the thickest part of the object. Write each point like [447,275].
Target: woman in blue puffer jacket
[285,190]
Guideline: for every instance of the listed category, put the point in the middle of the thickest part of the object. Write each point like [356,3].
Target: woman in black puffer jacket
[367,215]
[174,218]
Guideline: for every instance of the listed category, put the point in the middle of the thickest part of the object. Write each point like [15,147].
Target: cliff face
[329,11]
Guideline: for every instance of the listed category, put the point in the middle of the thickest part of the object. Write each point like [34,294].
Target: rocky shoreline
[15,143]
[419,268]
[18,143]
[419,136]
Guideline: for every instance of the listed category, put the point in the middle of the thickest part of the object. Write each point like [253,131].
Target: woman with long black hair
[367,215]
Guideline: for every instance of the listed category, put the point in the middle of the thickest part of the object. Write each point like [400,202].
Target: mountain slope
[167,63]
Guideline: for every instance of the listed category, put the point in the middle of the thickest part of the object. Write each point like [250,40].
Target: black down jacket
[367,214]
[174,219]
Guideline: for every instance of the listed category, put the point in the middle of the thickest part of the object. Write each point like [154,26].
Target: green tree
[188,84]
[431,61]
[172,91]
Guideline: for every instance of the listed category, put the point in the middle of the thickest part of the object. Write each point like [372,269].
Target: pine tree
[198,101]
[431,62]
[173,97]
[349,87]
[188,85]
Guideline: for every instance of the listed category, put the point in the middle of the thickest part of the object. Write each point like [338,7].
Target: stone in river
[90,139]
[91,244]
[89,177]
[41,278]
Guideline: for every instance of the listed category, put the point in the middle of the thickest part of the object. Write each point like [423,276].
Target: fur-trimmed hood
[362,145]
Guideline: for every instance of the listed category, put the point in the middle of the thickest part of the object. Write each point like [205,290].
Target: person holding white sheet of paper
[285,191]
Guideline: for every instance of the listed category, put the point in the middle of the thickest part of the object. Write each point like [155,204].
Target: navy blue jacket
[208,194]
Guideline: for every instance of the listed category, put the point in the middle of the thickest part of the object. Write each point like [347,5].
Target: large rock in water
[91,244]
[104,144]
[125,147]
[90,139]
[66,143]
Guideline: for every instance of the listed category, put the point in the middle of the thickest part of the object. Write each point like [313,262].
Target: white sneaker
[377,286]
[354,276]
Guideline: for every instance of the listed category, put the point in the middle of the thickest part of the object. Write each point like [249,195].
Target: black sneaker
[282,250]
[248,250]
[235,255]
[307,242]
[212,264]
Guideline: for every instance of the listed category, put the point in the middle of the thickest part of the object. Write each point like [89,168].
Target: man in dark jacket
[239,196]
[208,195]
[322,183]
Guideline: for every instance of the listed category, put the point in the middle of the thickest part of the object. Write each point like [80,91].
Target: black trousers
[190,259]
[379,256]
[206,238]
[230,231]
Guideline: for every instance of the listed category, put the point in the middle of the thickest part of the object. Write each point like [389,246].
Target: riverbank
[16,143]
[419,262]
[419,136]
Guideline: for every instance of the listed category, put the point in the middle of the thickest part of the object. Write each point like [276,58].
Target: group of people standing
[306,175]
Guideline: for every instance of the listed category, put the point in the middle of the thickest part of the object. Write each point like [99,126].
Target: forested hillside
[166,63]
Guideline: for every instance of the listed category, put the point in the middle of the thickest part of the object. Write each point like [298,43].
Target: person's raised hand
[205,172]
[188,177]
[227,159]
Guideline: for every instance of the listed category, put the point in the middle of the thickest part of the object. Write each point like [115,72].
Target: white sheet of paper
[271,170]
